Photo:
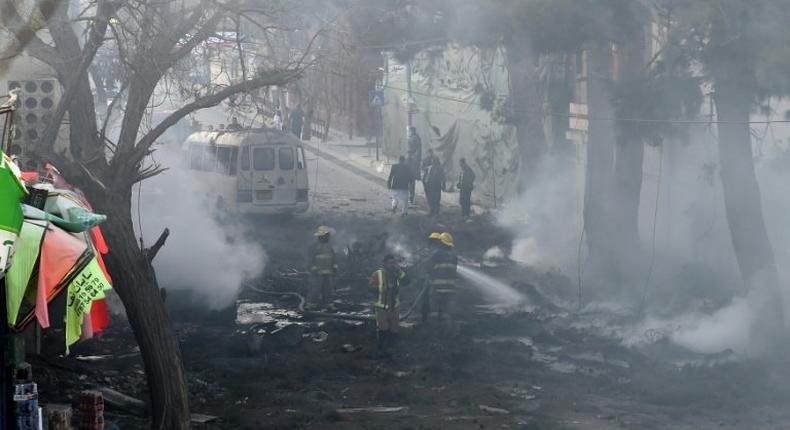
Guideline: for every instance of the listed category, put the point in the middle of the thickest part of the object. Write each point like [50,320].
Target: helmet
[323,231]
[447,239]
[435,235]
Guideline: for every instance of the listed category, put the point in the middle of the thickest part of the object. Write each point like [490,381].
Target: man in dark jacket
[466,182]
[401,177]
[297,119]
[433,183]
[414,157]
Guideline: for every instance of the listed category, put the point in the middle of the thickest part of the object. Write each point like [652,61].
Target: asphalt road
[335,189]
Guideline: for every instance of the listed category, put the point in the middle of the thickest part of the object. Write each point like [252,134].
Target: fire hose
[331,315]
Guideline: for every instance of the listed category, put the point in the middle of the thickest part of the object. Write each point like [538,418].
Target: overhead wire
[704,122]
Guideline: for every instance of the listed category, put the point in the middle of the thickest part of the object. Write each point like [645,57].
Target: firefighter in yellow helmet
[387,281]
[323,268]
[441,269]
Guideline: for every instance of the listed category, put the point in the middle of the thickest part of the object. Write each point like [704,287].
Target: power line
[706,122]
[593,118]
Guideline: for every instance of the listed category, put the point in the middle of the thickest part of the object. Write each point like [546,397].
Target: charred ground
[537,367]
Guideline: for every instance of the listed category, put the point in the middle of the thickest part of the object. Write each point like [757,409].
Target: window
[226,159]
[208,158]
[300,158]
[196,157]
[263,158]
[286,157]
[245,158]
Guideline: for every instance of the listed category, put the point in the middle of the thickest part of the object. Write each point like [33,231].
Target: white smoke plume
[208,258]
[546,219]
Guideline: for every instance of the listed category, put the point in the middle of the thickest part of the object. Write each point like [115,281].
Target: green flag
[11,192]
[27,247]
[89,285]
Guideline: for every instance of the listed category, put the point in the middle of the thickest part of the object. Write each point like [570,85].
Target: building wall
[446,88]
[40,92]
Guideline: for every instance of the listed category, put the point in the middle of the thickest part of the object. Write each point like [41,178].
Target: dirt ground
[533,367]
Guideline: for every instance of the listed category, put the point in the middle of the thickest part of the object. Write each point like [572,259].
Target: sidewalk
[357,157]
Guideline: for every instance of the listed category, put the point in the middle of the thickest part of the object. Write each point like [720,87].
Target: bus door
[266,178]
[301,175]
[244,180]
[285,191]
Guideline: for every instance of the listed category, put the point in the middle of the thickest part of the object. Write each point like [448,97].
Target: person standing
[466,183]
[323,268]
[387,282]
[399,181]
[434,182]
[297,119]
[277,121]
[414,157]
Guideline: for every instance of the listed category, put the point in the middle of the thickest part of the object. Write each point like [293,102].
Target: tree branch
[25,32]
[150,253]
[104,9]
[268,79]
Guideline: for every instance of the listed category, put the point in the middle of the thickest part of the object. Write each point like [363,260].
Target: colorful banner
[89,285]
[25,259]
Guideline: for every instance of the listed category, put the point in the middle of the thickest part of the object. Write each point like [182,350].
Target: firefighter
[387,282]
[323,268]
[441,268]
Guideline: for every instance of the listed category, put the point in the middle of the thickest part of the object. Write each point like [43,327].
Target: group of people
[412,167]
[296,121]
[436,275]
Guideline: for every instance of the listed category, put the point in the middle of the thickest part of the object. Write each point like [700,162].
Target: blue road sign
[376,98]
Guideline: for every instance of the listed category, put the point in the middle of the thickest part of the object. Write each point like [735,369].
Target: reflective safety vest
[442,271]
[388,289]
[323,259]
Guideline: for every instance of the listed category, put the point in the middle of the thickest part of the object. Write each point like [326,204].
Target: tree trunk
[629,152]
[628,190]
[527,104]
[598,195]
[742,201]
[134,281]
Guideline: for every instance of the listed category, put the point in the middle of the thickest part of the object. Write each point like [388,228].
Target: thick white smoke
[546,219]
[202,255]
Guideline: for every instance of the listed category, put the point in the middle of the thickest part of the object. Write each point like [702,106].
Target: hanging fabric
[25,259]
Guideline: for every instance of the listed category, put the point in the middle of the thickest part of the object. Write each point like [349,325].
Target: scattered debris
[347,347]
[289,335]
[319,337]
[492,410]
[95,358]
[372,409]
[122,401]
[202,419]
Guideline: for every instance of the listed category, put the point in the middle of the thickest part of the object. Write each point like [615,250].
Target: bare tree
[150,39]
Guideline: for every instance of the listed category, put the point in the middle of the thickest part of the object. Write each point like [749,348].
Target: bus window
[226,160]
[234,158]
[300,158]
[263,158]
[286,157]
[245,158]
[209,158]
[195,156]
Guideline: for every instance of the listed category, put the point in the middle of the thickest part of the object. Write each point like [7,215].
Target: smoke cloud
[209,258]
[546,218]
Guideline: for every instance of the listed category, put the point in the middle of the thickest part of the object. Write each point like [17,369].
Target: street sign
[376,98]
[578,118]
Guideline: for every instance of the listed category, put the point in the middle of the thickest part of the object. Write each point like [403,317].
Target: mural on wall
[454,90]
